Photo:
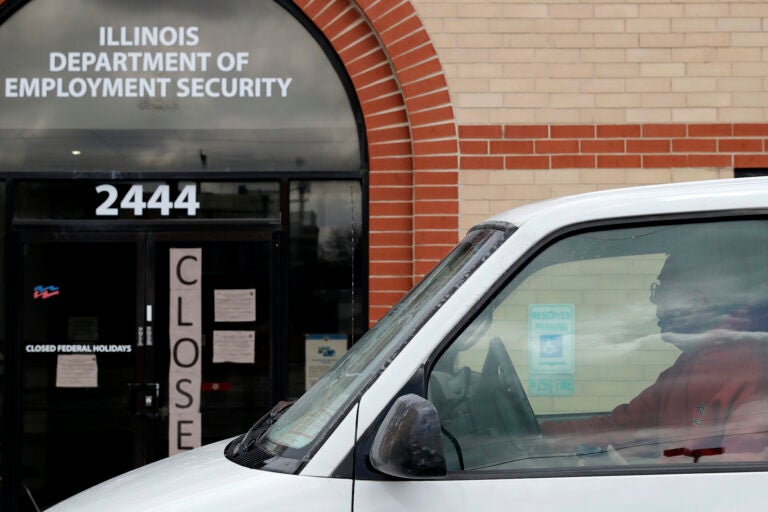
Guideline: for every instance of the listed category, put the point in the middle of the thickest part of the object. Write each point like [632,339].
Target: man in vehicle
[712,403]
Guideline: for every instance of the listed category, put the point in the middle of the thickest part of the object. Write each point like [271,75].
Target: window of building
[326,290]
[750,173]
[185,84]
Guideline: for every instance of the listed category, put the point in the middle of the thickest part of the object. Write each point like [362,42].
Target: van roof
[696,196]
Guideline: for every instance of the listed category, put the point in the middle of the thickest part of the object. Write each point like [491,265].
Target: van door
[622,367]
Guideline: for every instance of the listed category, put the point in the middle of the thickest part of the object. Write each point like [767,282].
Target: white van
[604,351]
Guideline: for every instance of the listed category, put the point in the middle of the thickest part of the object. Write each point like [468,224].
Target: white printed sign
[234,305]
[322,352]
[77,371]
[234,347]
[185,372]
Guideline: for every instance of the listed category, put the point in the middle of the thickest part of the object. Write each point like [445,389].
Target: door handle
[152,397]
[145,399]
[140,336]
[149,325]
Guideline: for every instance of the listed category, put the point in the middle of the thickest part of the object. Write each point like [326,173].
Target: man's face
[680,306]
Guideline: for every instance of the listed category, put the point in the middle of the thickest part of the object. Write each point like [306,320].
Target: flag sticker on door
[45,292]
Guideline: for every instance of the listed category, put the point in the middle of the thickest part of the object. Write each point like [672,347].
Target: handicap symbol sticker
[551,338]
[551,345]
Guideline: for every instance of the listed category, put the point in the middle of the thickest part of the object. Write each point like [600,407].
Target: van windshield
[300,430]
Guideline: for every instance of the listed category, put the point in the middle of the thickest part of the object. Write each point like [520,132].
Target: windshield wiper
[262,424]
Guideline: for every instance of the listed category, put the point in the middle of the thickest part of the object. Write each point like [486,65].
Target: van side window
[632,346]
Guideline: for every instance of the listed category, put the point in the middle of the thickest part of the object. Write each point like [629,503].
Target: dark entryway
[96,349]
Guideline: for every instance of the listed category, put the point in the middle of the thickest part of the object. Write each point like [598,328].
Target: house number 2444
[159,200]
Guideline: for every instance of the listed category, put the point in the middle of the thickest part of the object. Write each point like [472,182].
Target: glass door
[79,299]
[137,346]
[214,330]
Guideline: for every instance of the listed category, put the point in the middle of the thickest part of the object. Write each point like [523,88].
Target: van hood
[201,479]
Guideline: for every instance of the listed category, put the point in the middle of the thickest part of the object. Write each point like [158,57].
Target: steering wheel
[449,390]
[512,405]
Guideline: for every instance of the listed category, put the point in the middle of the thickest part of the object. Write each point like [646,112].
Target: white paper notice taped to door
[234,305]
[234,347]
[77,371]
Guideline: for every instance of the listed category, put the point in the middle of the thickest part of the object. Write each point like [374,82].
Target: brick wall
[411,132]
[556,97]
[475,106]
[615,62]
[504,166]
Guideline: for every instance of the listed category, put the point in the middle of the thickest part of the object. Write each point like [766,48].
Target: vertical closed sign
[185,332]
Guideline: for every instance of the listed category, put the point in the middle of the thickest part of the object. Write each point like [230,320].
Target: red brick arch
[411,132]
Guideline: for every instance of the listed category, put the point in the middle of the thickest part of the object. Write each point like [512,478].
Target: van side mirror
[409,442]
